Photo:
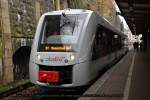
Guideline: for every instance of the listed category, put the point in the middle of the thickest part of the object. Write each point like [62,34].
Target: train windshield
[59,29]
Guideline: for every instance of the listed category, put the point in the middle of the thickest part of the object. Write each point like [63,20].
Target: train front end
[54,60]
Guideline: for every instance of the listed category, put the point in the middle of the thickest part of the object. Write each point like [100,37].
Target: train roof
[69,11]
[104,22]
[108,25]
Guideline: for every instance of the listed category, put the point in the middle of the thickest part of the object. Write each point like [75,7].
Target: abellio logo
[55,58]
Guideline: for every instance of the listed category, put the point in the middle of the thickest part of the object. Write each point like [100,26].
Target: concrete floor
[111,85]
[140,82]
[129,81]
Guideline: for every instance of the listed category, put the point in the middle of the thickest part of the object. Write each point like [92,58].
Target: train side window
[100,43]
[104,43]
[109,40]
[96,43]
[98,36]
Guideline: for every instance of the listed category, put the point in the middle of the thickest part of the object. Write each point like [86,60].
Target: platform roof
[137,14]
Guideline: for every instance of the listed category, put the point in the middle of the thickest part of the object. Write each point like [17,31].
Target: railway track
[13,89]
[35,93]
[32,92]
[24,94]
[29,91]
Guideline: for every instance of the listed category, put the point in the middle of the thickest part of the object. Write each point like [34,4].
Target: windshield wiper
[65,21]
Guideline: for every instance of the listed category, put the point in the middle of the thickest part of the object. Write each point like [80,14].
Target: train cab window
[67,26]
[58,29]
[61,30]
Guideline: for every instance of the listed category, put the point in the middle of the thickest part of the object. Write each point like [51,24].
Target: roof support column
[6,43]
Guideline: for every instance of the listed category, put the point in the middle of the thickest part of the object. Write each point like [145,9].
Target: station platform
[127,80]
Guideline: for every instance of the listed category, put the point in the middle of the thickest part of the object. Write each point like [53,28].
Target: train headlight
[38,57]
[72,57]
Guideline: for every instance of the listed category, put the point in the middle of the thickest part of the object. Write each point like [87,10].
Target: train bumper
[63,76]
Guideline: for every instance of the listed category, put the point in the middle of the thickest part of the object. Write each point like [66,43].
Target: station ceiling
[137,14]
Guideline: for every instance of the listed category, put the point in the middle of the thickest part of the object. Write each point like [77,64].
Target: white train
[71,47]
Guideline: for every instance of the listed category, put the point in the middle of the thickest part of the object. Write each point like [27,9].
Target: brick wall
[22,15]
[47,5]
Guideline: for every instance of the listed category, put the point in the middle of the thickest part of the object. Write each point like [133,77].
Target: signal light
[48,77]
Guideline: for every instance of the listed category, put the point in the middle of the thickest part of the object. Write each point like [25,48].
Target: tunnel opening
[21,59]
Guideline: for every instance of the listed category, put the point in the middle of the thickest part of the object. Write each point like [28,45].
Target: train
[70,47]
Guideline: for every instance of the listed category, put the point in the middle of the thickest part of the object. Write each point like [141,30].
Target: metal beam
[135,11]
[130,2]
[138,16]
[135,5]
